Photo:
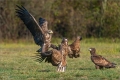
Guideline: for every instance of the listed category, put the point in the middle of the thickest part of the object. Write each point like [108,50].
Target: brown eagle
[56,57]
[40,32]
[75,47]
[99,61]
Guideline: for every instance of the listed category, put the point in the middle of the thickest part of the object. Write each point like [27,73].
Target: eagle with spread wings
[99,61]
[57,57]
[75,47]
[40,32]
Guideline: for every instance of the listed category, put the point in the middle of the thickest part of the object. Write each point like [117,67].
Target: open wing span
[31,24]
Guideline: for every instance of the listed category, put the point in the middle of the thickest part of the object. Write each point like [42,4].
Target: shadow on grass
[86,69]
[44,71]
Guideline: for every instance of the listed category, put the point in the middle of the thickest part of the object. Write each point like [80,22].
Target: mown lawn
[17,62]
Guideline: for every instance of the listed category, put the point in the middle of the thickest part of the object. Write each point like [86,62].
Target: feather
[43,23]
[99,61]
[31,24]
[41,34]
[57,57]
[75,47]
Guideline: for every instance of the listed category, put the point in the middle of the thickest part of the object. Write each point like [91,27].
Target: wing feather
[99,60]
[31,24]
[56,57]
[43,24]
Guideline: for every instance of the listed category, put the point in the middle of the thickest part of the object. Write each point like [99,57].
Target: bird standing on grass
[56,57]
[75,47]
[99,61]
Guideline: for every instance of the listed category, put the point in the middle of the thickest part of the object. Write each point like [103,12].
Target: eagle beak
[90,49]
[50,32]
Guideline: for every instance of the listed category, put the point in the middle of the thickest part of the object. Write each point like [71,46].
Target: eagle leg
[98,67]
[61,68]
[101,67]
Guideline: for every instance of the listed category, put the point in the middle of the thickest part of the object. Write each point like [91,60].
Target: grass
[17,62]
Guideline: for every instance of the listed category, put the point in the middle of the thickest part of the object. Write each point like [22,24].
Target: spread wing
[53,56]
[100,61]
[44,56]
[31,24]
[43,24]
[56,57]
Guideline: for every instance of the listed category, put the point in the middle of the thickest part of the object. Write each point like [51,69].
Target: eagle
[57,57]
[75,47]
[40,32]
[99,61]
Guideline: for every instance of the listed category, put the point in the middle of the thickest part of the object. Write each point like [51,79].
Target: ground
[17,62]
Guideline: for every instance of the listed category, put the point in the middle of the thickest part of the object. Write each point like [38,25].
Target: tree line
[68,18]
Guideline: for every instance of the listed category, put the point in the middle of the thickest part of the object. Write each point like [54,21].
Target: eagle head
[65,41]
[79,38]
[50,31]
[92,51]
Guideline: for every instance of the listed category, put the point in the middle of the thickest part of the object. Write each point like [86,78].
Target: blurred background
[67,18]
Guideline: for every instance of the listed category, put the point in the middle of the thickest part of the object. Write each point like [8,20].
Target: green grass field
[17,62]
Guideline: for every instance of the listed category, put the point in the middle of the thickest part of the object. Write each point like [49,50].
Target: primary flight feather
[57,57]
[41,34]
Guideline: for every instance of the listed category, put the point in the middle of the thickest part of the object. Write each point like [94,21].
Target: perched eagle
[56,57]
[75,47]
[41,34]
[99,61]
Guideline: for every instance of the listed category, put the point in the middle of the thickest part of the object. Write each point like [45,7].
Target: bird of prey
[40,32]
[56,57]
[75,47]
[99,61]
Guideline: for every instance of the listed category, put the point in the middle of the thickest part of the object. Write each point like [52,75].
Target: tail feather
[111,65]
[114,63]
[39,58]
[43,56]
[46,54]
